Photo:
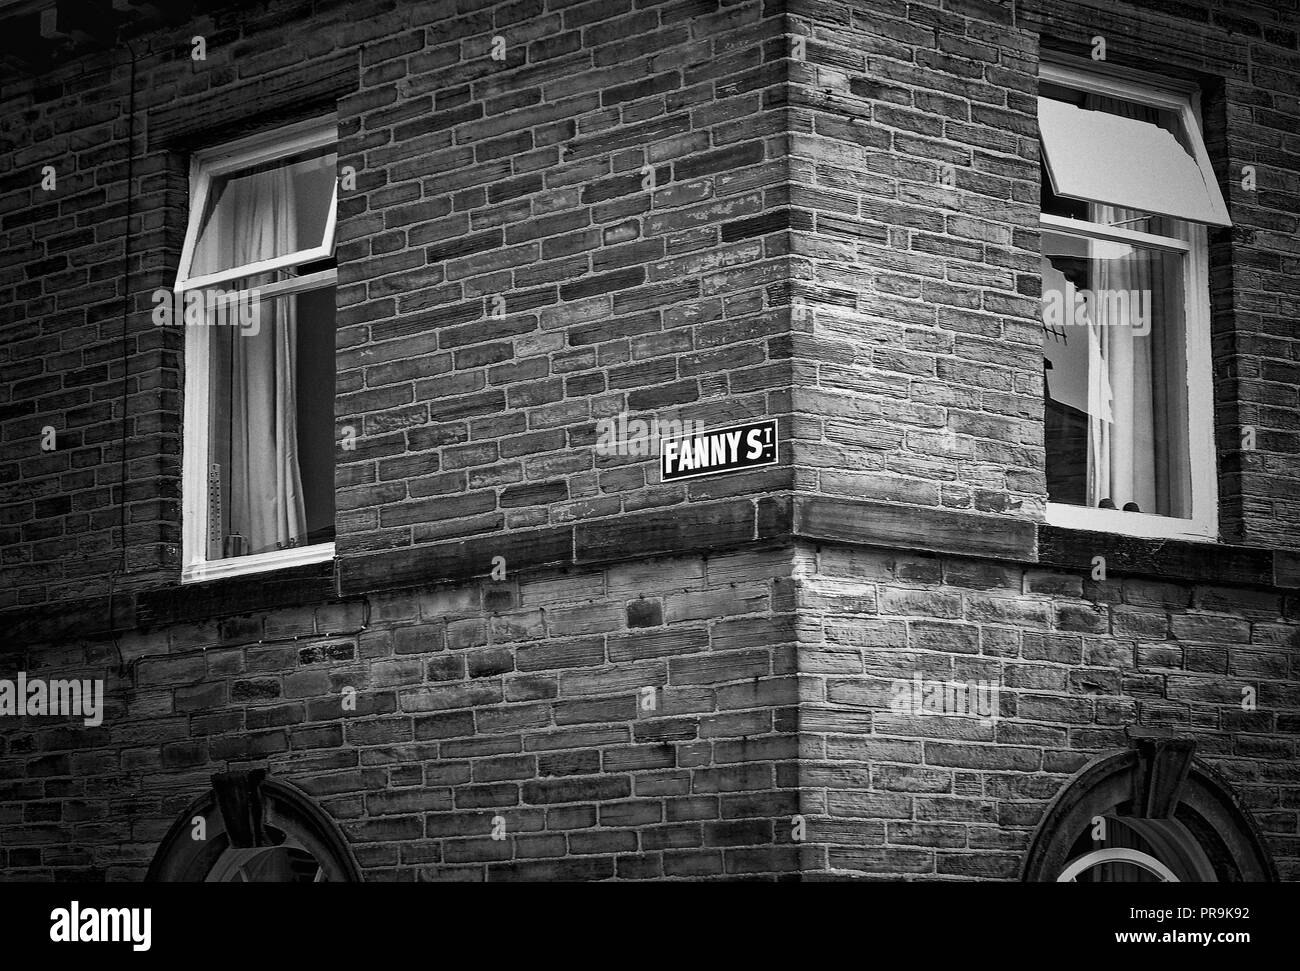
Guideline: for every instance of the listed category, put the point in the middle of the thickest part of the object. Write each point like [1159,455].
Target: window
[256,292]
[1127,192]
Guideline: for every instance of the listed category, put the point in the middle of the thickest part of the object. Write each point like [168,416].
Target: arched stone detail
[244,810]
[1163,785]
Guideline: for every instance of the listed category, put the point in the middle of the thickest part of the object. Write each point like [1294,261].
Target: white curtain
[1123,467]
[1131,432]
[260,474]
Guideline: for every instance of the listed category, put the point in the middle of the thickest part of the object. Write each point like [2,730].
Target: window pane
[1114,359]
[271,418]
[266,211]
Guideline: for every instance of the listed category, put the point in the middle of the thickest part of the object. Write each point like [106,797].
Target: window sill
[232,596]
[257,563]
[1132,525]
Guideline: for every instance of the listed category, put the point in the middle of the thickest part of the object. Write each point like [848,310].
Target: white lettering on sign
[722,450]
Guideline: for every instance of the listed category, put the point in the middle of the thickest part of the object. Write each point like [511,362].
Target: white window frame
[265,147]
[204,167]
[1203,525]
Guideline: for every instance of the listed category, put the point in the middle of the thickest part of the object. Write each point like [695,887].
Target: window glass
[270,427]
[262,212]
[1115,376]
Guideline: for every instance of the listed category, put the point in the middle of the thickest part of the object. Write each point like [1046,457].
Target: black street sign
[720,450]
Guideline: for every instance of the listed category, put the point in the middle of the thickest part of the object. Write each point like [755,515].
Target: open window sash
[1102,157]
[209,169]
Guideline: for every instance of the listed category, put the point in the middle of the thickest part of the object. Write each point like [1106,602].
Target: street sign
[721,450]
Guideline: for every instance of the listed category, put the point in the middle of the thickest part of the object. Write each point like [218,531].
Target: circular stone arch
[253,825]
[1178,803]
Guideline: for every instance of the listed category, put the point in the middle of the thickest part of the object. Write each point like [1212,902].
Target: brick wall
[524,699]
[60,309]
[915,161]
[506,280]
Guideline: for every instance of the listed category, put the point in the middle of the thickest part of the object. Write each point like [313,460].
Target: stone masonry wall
[1073,662]
[523,699]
